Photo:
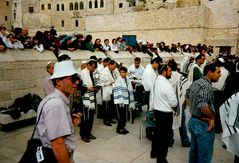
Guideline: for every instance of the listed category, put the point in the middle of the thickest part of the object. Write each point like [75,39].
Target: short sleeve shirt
[200,95]
[55,120]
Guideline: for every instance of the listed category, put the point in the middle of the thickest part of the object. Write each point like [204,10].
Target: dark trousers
[87,122]
[122,112]
[147,99]
[218,96]
[107,110]
[160,140]
[182,130]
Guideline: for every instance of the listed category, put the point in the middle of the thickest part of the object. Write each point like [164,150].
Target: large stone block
[5,95]
[24,84]
[6,85]
[16,74]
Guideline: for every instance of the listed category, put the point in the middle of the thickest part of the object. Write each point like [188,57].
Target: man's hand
[76,119]
[211,123]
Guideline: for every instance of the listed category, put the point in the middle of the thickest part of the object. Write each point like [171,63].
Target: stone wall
[21,71]
[170,26]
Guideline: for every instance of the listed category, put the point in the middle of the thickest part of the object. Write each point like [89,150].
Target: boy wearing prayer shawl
[123,99]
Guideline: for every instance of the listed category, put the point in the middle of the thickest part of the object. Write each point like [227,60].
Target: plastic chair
[149,122]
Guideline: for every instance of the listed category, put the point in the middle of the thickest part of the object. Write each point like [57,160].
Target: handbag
[35,152]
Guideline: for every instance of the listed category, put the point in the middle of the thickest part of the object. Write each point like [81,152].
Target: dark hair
[63,57]
[88,38]
[137,59]
[173,65]
[107,59]
[156,59]
[93,57]
[198,57]
[112,62]
[123,69]
[209,67]
[93,62]
[161,68]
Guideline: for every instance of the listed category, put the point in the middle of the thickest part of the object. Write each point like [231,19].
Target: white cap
[63,68]
[144,43]
[221,60]
[196,55]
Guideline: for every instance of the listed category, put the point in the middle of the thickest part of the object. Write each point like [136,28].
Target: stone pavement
[109,147]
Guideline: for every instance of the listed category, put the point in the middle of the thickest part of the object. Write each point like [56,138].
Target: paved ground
[109,147]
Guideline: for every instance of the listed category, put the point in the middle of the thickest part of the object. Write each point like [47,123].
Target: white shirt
[149,77]
[164,97]
[134,72]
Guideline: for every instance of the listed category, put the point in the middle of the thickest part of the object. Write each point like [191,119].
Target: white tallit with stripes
[88,97]
[180,86]
[123,92]
[229,113]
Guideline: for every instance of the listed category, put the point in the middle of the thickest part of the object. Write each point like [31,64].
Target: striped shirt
[200,95]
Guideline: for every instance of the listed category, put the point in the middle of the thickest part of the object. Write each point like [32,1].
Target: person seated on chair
[123,99]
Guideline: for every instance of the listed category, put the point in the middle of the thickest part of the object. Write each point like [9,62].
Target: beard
[168,76]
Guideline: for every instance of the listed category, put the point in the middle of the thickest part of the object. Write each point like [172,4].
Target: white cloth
[180,84]
[106,80]
[220,84]
[39,48]
[163,96]
[123,92]
[135,72]
[47,85]
[149,77]
[190,74]
[229,113]
[88,97]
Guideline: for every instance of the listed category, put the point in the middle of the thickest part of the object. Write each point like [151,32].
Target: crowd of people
[110,89]
[19,38]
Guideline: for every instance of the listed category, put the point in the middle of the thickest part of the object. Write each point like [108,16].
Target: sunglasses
[73,78]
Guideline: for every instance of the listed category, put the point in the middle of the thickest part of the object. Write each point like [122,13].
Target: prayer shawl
[88,97]
[105,79]
[123,93]
[229,113]
[190,74]
[180,87]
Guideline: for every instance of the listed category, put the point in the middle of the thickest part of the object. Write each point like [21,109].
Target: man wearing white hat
[56,123]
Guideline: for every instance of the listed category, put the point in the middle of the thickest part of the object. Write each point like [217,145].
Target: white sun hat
[63,68]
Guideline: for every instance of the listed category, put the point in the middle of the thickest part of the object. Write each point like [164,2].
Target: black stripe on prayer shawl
[228,127]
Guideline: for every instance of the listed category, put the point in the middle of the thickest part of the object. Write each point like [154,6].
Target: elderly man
[56,125]
[47,84]
[201,123]
[164,103]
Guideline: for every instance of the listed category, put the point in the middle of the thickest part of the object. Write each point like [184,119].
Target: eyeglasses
[73,78]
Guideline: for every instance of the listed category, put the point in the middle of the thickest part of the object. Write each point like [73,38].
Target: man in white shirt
[149,76]
[135,72]
[164,103]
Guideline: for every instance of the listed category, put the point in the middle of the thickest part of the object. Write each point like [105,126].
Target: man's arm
[210,117]
[60,150]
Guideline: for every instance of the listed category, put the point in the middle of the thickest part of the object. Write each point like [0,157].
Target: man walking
[201,123]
